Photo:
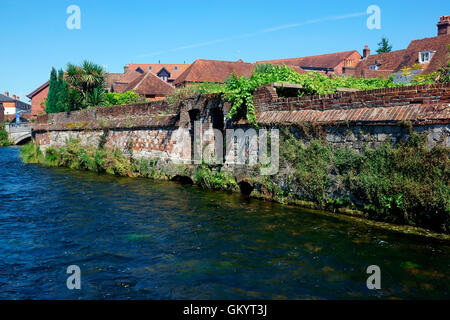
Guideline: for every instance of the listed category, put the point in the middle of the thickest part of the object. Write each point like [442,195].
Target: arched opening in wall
[218,123]
[183,180]
[194,115]
[245,187]
[24,141]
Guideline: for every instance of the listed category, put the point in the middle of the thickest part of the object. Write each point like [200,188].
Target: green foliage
[75,156]
[80,87]
[31,153]
[407,183]
[4,139]
[116,98]
[86,85]
[214,180]
[384,46]
[58,95]
[194,90]
[239,90]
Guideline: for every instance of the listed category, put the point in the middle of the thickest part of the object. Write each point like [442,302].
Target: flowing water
[143,239]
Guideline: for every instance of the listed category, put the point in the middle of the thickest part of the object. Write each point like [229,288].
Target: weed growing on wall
[407,183]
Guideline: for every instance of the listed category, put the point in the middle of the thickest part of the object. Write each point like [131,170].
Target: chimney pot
[366,52]
[444,26]
[7,93]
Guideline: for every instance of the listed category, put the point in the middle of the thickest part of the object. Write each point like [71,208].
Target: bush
[115,98]
[407,183]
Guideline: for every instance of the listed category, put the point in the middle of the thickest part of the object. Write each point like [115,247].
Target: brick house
[12,105]
[428,53]
[325,63]
[38,98]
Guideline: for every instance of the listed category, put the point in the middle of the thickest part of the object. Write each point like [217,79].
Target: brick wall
[346,119]
[37,106]
[266,99]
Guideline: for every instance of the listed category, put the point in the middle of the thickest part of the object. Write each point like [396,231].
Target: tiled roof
[437,44]
[175,69]
[149,84]
[419,113]
[4,98]
[39,89]
[214,71]
[387,63]
[111,77]
[331,60]
[395,61]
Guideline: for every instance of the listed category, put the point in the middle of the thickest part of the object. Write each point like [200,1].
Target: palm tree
[87,84]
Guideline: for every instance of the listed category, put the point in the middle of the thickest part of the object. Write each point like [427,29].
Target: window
[374,67]
[425,56]
[176,68]
[150,68]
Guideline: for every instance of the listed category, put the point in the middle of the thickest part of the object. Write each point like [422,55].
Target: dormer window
[425,56]
[176,68]
[150,68]
[374,67]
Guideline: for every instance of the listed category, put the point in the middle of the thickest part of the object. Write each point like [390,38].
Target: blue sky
[34,36]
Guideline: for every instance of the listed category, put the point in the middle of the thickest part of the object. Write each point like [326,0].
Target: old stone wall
[343,119]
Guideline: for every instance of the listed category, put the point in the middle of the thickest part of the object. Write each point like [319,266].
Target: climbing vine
[239,90]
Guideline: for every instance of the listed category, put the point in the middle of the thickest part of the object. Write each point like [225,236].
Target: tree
[62,100]
[86,85]
[384,46]
[50,104]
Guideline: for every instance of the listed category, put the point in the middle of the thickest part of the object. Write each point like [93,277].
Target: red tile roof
[149,84]
[437,44]
[330,60]
[387,63]
[156,67]
[214,71]
[395,61]
[111,77]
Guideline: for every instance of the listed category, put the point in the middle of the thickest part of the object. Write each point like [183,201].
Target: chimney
[125,69]
[14,97]
[7,93]
[18,98]
[366,52]
[444,26]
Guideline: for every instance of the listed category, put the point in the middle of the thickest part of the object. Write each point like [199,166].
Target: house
[166,71]
[12,105]
[39,95]
[149,86]
[423,56]
[38,98]
[213,71]
[325,63]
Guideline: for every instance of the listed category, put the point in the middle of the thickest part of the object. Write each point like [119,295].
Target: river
[144,239]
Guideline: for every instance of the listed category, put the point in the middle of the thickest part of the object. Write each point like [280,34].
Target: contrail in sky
[249,35]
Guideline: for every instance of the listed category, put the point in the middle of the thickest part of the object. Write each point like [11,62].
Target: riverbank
[378,174]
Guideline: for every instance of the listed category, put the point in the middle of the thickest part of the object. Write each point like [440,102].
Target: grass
[4,139]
